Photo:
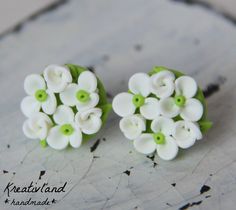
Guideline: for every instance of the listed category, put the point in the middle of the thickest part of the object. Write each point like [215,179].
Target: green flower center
[138,100]
[159,138]
[41,95]
[66,129]
[82,96]
[180,100]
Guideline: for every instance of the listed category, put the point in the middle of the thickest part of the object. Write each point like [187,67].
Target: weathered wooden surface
[120,38]
[13,12]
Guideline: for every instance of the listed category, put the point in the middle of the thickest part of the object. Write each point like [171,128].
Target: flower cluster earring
[65,106]
[162,111]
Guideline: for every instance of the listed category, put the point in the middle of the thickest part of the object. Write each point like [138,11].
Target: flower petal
[37,126]
[145,144]
[192,110]
[56,139]
[76,138]
[186,86]
[162,84]
[29,106]
[68,96]
[89,121]
[168,150]
[139,83]
[63,115]
[87,81]
[164,125]
[168,107]
[33,83]
[150,109]
[184,135]
[91,103]
[122,104]
[57,77]
[132,126]
[49,106]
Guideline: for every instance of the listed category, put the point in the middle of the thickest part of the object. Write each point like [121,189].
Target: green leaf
[205,125]
[43,143]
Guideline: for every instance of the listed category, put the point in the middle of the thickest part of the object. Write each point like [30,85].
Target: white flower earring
[162,111]
[66,106]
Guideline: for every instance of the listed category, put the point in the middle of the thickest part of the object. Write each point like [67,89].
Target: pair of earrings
[162,111]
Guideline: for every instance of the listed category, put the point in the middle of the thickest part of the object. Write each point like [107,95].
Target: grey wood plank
[105,35]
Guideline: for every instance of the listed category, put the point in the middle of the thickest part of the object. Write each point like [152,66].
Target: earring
[66,105]
[162,111]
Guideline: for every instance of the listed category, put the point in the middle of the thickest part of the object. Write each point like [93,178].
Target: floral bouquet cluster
[64,106]
[162,111]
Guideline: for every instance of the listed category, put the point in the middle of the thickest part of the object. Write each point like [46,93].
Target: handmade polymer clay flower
[175,119]
[183,103]
[66,106]
[66,131]
[133,126]
[37,126]
[161,140]
[83,95]
[38,96]
[89,120]
[57,77]
[125,104]
[186,133]
[162,84]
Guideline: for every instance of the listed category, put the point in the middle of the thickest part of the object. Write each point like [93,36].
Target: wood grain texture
[119,39]
[13,12]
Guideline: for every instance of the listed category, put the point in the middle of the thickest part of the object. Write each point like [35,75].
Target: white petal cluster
[167,105]
[61,111]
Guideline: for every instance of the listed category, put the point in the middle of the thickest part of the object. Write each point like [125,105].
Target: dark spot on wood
[210,90]
[109,95]
[185,206]
[104,139]
[130,152]
[173,184]
[211,175]
[105,58]
[5,171]
[14,173]
[138,47]
[151,157]
[94,147]
[154,164]
[41,174]
[196,203]
[131,167]
[204,189]
[96,156]
[207,196]
[196,41]
[127,172]
[136,207]
[8,146]
[221,80]
[168,204]
[91,68]
[109,177]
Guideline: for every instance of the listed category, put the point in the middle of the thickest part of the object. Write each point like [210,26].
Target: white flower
[57,77]
[186,133]
[189,108]
[89,120]
[161,140]
[37,126]
[82,95]
[39,97]
[133,126]
[162,84]
[66,131]
[125,104]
